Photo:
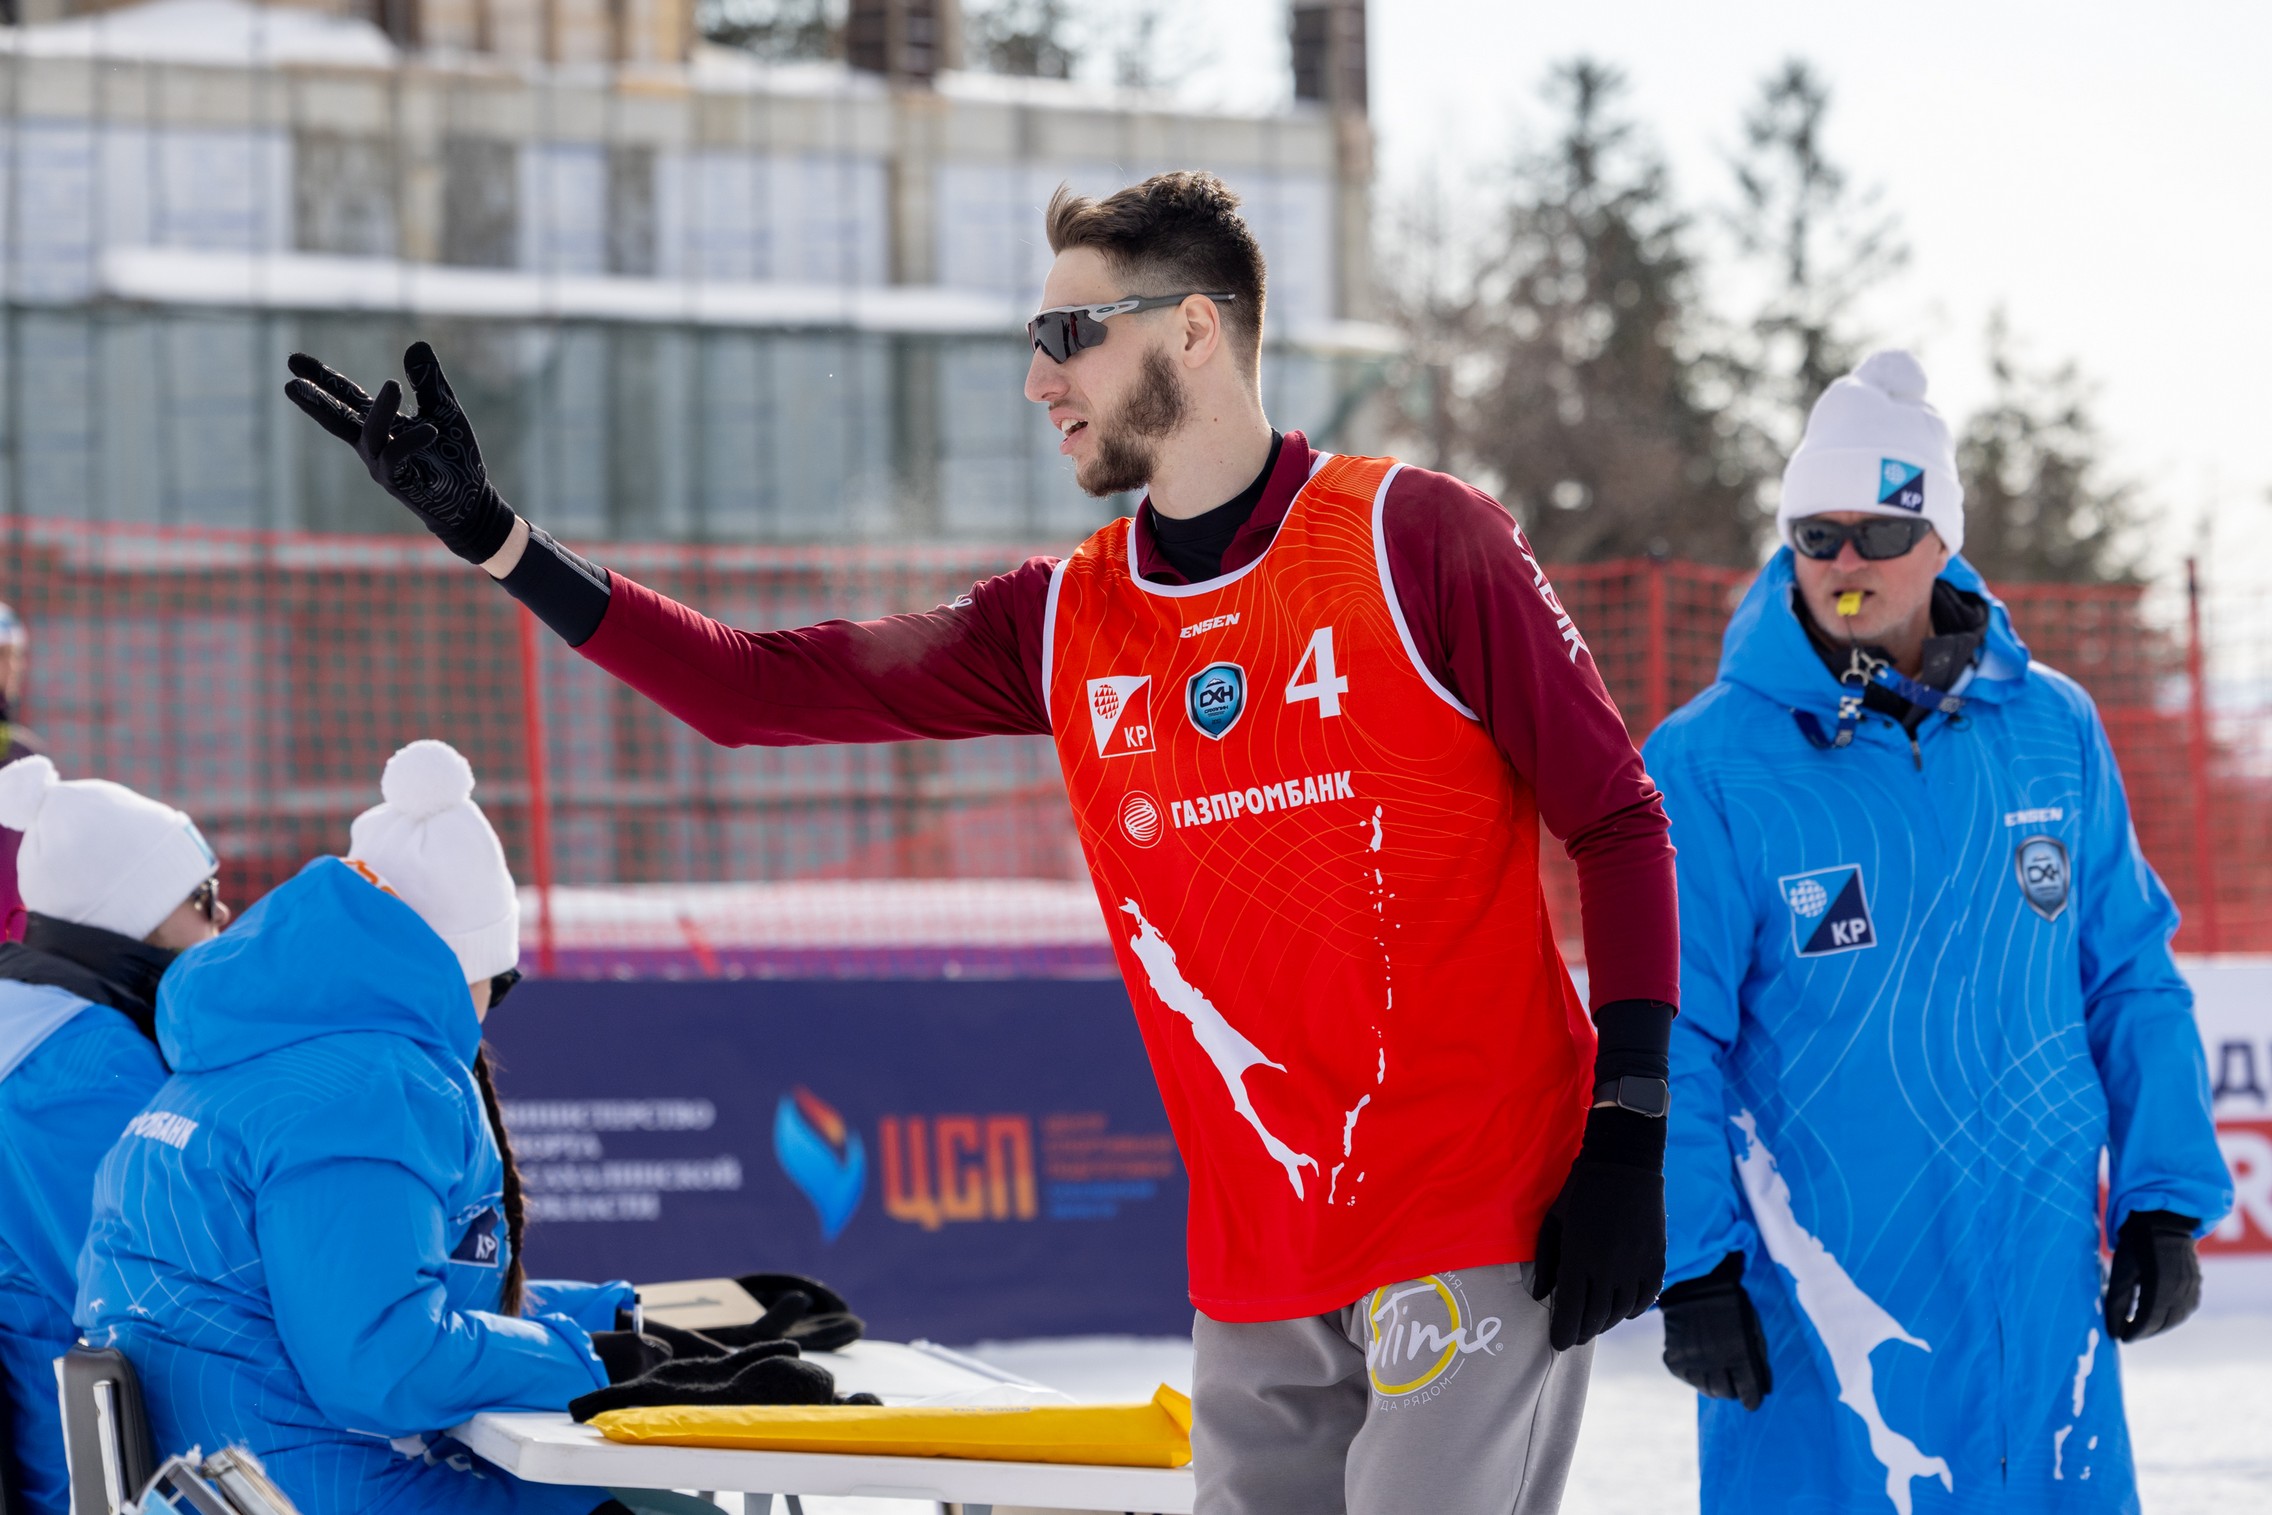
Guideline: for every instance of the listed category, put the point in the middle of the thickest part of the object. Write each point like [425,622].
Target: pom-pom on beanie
[96,853]
[432,845]
[1873,445]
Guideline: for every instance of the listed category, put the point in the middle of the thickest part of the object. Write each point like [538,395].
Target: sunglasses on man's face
[207,898]
[502,985]
[1878,538]
[1063,330]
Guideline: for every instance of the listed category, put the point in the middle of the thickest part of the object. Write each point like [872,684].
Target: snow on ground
[2200,1404]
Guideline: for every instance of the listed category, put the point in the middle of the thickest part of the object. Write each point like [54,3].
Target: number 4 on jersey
[1324,686]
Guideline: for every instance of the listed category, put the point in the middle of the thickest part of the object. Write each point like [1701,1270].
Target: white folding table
[551,1448]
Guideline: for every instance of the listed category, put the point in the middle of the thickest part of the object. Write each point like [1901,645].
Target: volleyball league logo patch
[1830,913]
[1215,698]
[1901,485]
[2042,865]
[1120,713]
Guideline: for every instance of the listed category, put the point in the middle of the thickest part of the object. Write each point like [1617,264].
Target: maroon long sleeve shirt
[1480,610]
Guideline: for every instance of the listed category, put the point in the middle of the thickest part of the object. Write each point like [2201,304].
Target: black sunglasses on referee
[1063,330]
[1877,539]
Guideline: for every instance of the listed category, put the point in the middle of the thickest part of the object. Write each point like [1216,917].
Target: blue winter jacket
[71,1075]
[300,1243]
[1919,995]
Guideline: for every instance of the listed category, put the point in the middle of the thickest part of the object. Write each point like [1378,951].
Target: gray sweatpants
[1437,1394]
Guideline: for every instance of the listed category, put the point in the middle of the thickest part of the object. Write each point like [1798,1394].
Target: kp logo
[479,1245]
[1420,1332]
[1901,484]
[1215,698]
[823,1157]
[2042,865]
[1829,911]
[1120,713]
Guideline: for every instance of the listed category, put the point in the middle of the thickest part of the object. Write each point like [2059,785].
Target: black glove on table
[2155,1282]
[1601,1247]
[1712,1338]
[627,1354]
[803,1310]
[430,461]
[770,1373]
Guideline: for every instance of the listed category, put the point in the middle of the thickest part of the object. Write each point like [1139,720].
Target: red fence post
[540,791]
[1656,704]
[2197,761]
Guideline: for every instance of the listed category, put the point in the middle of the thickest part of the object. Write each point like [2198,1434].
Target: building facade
[688,296]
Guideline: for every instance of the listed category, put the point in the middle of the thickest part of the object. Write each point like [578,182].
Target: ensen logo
[1212,623]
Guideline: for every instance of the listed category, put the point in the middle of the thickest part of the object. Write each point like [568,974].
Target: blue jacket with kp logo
[299,1243]
[1919,997]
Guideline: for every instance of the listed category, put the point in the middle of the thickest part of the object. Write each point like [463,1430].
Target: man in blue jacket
[1925,982]
[115,884]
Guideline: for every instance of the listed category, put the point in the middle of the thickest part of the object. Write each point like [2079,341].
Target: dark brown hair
[516,1219]
[1173,233]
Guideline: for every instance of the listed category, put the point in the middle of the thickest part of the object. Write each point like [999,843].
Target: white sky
[2102,170]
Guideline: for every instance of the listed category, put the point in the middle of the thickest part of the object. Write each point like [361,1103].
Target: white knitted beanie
[96,853]
[435,849]
[1873,445]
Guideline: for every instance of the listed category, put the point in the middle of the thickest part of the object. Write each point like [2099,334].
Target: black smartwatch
[1642,1096]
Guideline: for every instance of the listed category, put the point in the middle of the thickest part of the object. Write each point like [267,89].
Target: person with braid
[309,1242]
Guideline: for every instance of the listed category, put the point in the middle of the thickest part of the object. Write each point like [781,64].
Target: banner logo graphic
[1120,713]
[1215,698]
[823,1157]
[1901,485]
[2041,862]
[1830,913]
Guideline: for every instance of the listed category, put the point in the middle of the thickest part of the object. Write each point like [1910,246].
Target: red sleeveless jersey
[1322,882]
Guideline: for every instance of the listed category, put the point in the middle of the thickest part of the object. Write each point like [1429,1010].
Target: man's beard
[1128,451]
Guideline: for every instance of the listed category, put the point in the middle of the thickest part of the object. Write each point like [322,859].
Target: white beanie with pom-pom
[96,853]
[435,849]
[1873,445]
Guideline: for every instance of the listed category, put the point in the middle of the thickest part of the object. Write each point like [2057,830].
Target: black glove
[627,1354]
[1601,1248]
[802,1310]
[2155,1282]
[430,462]
[770,1373]
[1712,1338]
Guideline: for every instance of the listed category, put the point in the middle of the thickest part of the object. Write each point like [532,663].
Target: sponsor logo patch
[1215,698]
[2041,862]
[1212,623]
[1419,1334]
[1261,799]
[1140,819]
[1901,485]
[1830,912]
[1120,714]
[479,1246]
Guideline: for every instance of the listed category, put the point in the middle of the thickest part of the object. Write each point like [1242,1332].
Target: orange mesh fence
[260,681]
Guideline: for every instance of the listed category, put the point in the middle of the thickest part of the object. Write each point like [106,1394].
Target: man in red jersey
[1312,711]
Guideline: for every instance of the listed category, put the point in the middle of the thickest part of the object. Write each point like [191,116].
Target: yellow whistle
[1850,603]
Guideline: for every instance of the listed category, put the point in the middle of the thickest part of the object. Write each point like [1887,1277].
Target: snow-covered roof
[225,32]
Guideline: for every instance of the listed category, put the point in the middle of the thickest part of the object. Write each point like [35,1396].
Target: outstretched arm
[970,668]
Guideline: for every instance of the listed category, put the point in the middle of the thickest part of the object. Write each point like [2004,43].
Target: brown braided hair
[516,1275]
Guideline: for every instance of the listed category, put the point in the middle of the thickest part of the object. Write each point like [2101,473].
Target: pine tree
[1582,392]
[1028,38]
[2038,504]
[778,30]
[1816,244]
